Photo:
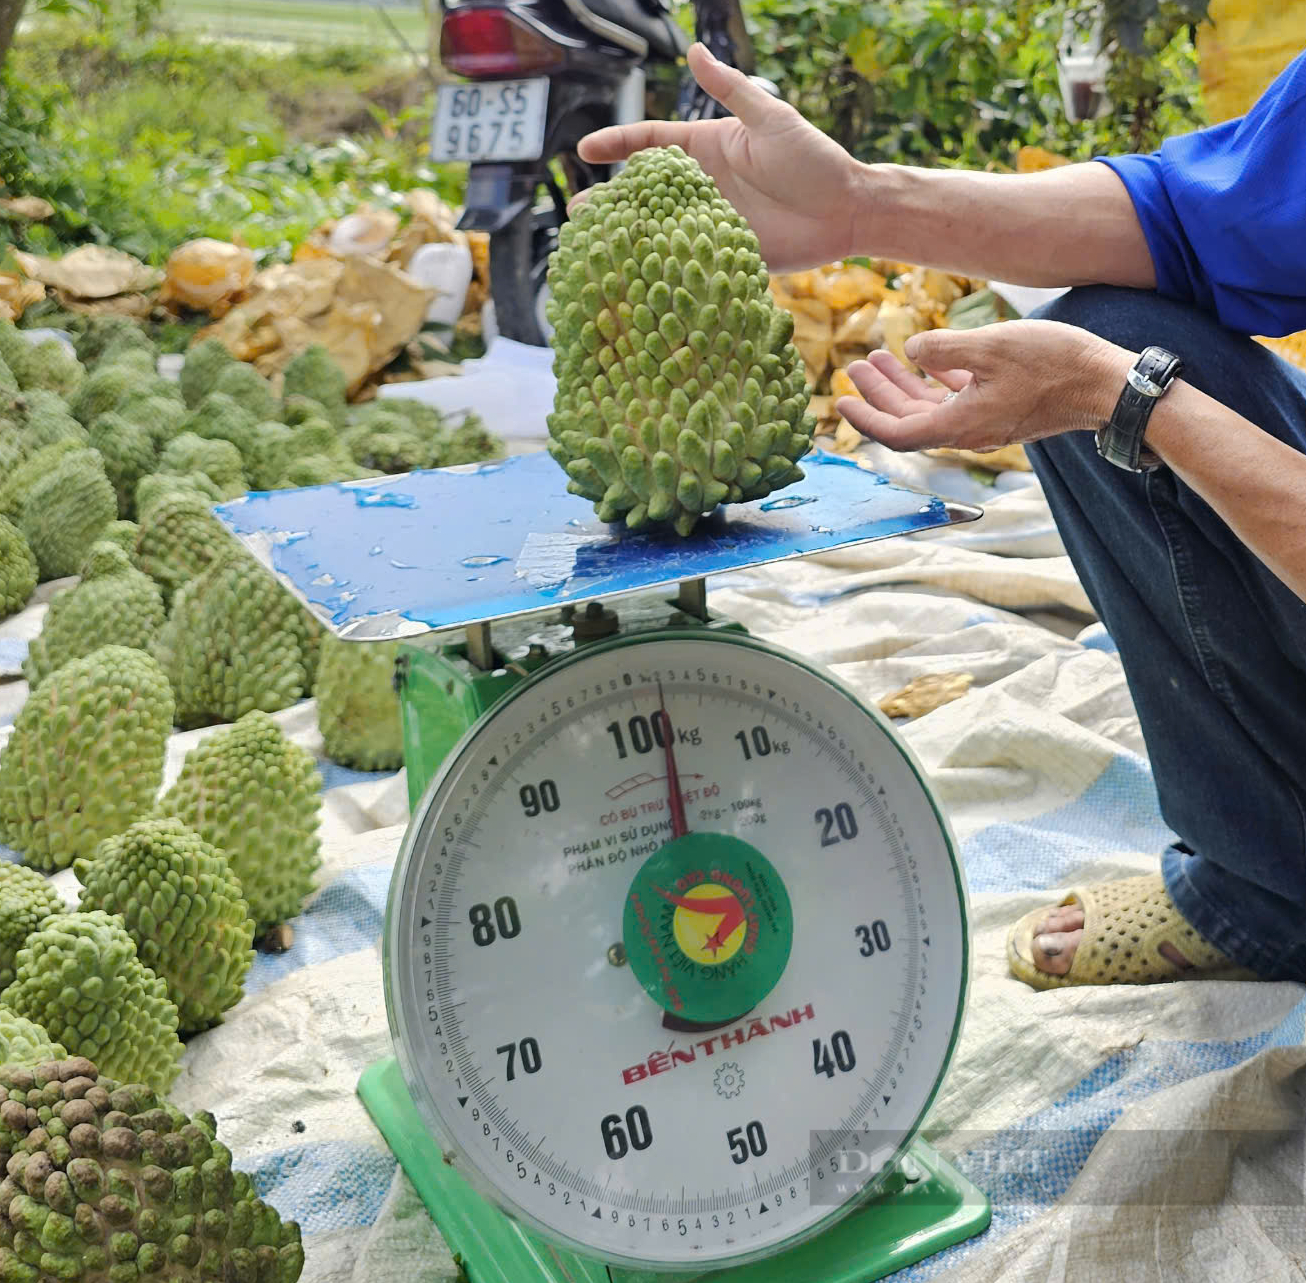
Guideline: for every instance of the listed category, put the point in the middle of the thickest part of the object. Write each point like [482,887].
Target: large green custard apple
[678,386]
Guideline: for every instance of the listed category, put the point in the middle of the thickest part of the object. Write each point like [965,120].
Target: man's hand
[797,188]
[1014,381]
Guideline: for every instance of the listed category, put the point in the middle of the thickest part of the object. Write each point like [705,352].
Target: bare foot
[1057,937]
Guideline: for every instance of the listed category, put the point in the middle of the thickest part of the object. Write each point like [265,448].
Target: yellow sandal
[1125,923]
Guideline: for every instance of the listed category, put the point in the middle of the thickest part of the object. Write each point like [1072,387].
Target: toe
[1054,951]
[1064,917]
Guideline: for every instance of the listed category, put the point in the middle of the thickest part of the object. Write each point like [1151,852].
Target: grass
[299,21]
[143,143]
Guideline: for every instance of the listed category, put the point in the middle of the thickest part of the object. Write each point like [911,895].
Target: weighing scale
[676,949]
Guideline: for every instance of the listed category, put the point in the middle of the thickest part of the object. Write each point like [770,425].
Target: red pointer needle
[679,825]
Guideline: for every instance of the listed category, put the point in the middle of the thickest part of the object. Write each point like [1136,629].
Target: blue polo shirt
[1224,211]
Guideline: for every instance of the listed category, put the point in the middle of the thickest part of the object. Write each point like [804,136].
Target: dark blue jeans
[1213,644]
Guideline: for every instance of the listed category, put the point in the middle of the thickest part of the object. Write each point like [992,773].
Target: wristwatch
[1120,438]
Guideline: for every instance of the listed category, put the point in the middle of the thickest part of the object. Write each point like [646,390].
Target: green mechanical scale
[676,949]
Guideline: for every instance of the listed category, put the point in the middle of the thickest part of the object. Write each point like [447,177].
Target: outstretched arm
[810,202]
[1074,225]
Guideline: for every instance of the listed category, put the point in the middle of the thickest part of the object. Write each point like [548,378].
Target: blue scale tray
[401,555]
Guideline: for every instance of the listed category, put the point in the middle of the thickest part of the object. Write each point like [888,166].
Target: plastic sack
[447,269]
[1243,47]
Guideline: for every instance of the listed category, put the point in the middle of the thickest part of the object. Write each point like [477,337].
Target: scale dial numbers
[526,1032]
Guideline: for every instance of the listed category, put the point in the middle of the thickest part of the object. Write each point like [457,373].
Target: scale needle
[679,825]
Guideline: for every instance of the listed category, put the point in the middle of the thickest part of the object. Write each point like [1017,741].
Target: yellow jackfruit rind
[678,387]
[85,757]
[254,794]
[183,905]
[80,978]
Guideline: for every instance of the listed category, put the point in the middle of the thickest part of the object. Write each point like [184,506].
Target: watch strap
[1120,438]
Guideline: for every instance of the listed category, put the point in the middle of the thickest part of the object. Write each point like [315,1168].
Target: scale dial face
[676,1050]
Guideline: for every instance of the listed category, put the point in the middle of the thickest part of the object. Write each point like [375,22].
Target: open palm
[792,183]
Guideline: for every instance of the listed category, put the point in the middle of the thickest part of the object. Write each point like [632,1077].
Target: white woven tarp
[1134,1133]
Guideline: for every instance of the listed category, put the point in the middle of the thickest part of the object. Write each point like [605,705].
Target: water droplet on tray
[374,551]
[324,580]
[402,565]
[484,559]
[383,499]
[789,501]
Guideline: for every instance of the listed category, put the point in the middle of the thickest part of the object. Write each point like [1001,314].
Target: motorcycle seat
[645,18]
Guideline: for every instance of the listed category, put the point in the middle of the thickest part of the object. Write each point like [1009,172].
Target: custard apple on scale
[678,385]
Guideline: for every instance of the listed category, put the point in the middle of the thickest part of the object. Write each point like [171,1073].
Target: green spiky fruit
[357,707]
[129,454]
[247,388]
[132,348]
[46,420]
[314,373]
[102,389]
[24,1042]
[17,484]
[273,449]
[183,905]
[678,386]
[65,511]
[316,470]
[220,417]
[80,978]
[85,758]
[297,410]
[161,416]
[17,569]
[203,362]
[122,534]
[13,346]
[27,898]
[159,485]
[470,442]
[236,640]
[98,332]
[179,536]
[219,460]
[425,419]
[111,1183]
[113,604]
[50,365]
[388,443]
[255,795]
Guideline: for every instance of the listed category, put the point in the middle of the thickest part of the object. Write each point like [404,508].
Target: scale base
[936,1210]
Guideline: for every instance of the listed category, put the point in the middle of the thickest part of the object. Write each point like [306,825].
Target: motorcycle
[538,75]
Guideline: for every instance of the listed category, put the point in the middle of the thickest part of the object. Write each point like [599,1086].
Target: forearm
[1252,480]
[1074,225]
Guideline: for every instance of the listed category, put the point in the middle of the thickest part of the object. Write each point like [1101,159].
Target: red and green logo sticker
[708,927]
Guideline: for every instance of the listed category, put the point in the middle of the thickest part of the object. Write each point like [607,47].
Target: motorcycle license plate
[490,120]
